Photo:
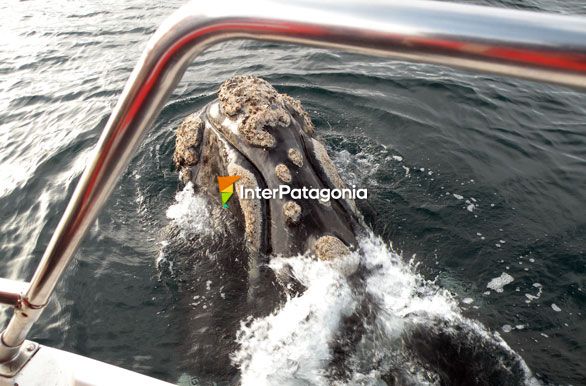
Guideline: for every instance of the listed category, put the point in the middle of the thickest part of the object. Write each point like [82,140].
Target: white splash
[293,345]
[531,297]
[498,283]
[163,260]
[356,169]
[395,286]
[190,213]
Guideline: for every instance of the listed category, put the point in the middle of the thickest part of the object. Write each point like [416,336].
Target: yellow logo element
[226,187]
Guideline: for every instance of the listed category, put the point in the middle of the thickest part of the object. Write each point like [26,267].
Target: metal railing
[543,47]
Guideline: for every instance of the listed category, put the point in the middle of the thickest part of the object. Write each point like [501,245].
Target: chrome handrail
[12,291]
[543,47]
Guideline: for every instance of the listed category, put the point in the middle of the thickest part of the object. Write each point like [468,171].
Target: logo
[226,187]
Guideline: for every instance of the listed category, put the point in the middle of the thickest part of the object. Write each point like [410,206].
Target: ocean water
[477,181]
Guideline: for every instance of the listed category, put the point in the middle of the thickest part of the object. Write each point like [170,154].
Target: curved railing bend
[542,47]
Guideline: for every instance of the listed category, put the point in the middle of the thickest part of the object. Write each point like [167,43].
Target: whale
[256,140]
[267,140]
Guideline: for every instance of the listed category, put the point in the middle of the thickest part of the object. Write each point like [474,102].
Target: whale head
[259,141]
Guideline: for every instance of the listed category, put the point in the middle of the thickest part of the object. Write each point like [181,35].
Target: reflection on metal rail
[11,292]
[550,48]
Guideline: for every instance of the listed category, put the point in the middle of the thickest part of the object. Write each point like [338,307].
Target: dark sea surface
[473,175]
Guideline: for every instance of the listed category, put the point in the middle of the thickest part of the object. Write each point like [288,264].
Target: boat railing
[535,46]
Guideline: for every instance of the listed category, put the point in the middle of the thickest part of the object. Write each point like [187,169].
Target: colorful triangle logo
[226,188]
